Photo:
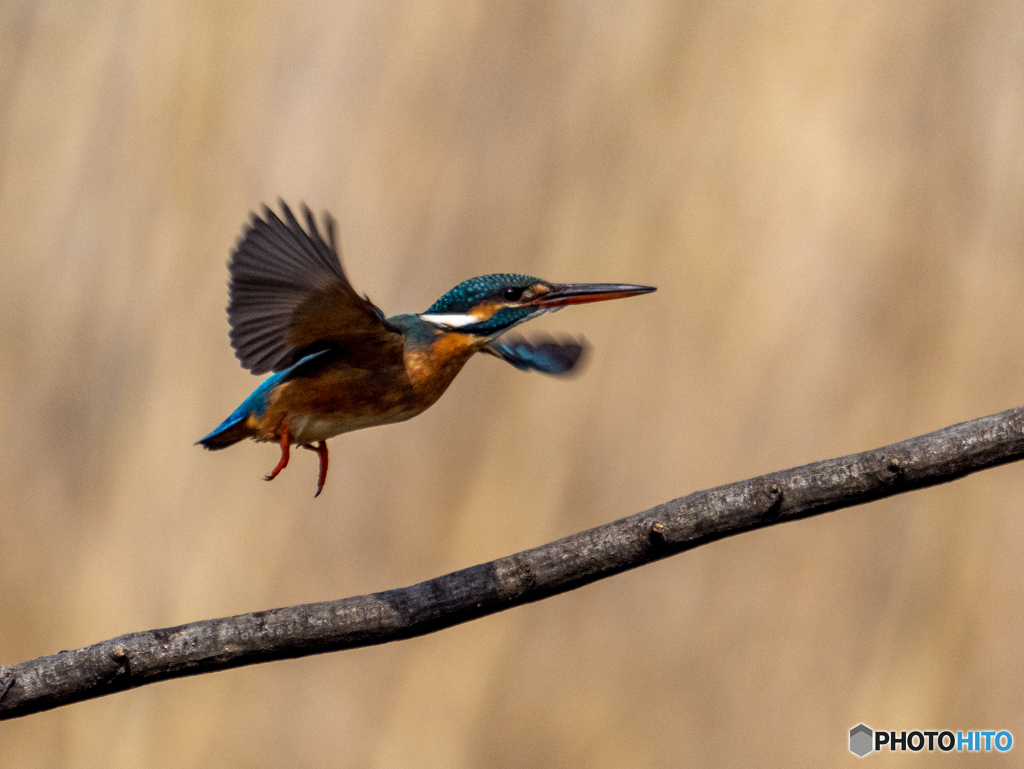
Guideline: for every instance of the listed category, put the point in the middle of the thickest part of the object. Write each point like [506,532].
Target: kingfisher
[337,364]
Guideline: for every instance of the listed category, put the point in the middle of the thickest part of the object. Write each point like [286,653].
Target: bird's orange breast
[341,398]
[431,368]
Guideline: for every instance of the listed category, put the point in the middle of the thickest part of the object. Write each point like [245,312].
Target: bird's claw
[285,441]
[321,450]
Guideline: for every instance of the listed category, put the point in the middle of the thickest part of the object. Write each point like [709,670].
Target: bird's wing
[544,354]
[289,297]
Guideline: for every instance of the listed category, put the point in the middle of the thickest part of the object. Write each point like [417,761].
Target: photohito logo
[864,740]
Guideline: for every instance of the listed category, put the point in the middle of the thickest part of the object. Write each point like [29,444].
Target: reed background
[829,197]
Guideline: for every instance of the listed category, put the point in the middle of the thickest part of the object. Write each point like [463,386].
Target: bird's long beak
[561,294]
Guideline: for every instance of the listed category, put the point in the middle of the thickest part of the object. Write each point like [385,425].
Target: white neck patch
[450,321]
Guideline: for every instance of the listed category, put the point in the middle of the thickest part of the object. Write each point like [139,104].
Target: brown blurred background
[830,198]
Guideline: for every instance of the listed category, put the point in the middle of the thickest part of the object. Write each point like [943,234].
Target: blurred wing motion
[289,298]
[545,354]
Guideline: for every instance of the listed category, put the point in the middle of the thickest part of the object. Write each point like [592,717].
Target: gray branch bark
[143,658]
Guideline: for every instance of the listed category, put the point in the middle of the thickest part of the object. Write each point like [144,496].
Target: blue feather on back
[256,404]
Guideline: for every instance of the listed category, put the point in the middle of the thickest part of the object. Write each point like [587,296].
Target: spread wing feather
[289,297]
[545,354]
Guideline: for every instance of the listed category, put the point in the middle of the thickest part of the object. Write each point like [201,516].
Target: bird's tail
[232,430]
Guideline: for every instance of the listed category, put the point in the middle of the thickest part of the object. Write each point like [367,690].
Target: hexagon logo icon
[861,738]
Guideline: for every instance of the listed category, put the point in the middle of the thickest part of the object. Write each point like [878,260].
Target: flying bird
[338,364]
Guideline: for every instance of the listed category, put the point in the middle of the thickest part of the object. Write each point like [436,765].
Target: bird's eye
[513,294]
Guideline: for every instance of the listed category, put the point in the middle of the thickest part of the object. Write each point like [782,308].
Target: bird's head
[492,304]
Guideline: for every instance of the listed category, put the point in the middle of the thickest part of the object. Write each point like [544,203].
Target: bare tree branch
[682,524]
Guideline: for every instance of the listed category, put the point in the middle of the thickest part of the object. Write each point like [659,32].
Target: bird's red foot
[285,441]
[321,450]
